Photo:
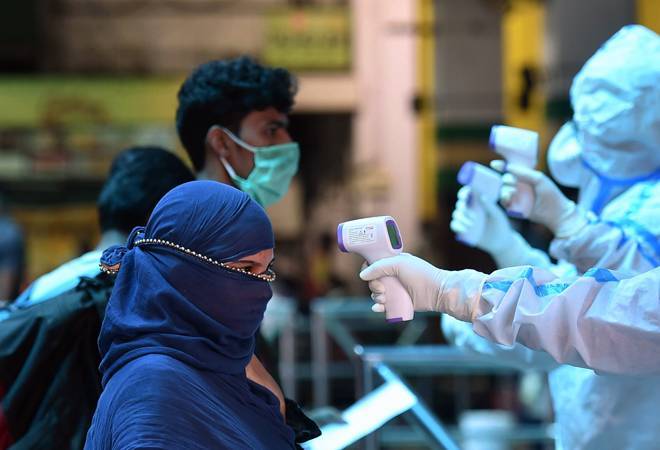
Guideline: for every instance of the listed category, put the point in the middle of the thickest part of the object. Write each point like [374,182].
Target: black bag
[49,379]
[304,427]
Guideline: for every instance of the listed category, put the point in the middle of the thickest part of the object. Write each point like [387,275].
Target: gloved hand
[551,208]
[506,246]
[431,289]
[497,230]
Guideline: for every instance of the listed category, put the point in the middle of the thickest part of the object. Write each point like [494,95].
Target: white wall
[574,31]
[468,62]
[385,135]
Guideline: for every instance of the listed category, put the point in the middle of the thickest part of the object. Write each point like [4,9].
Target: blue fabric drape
[179,331]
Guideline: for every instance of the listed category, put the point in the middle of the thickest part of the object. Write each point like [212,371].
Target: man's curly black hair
[223,92]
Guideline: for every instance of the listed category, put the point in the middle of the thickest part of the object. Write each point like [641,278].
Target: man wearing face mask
[610,152]
[232,120]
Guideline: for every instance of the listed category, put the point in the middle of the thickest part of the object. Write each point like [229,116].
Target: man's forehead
[267,116]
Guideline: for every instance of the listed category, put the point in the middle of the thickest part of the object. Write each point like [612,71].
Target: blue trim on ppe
[542,290]
[607,184]
[502,286]
[529,274]
[622,181]
[550,289]
[642,236]
[647,192]
[600,275]
[622,240]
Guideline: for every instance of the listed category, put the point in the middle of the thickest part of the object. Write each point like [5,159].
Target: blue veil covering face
[179,330]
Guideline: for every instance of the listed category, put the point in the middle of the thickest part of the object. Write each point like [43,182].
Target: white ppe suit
[611,151]
[592,321]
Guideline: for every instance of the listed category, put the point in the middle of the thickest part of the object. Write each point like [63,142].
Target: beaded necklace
[268,276]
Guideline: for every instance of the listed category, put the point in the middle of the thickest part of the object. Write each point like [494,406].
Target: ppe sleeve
[462,335]
[602,320]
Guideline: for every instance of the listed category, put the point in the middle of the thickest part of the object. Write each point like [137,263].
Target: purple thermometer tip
[340,238]
[491,139]
[466,173]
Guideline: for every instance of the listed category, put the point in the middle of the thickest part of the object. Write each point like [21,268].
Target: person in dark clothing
[137,179]
[179,330]
[49,380]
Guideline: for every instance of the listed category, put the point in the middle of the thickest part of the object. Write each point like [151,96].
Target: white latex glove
[551,208]
[506,246]
[431,289]
[497,230]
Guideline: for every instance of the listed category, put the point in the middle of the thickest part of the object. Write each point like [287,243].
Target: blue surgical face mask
[274,167]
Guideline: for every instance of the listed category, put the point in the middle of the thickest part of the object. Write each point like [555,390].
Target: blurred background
[394,96]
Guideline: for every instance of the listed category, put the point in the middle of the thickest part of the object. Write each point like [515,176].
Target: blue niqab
[179,331]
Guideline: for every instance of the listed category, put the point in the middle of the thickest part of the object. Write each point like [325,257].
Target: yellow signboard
[312,38]
[32,101]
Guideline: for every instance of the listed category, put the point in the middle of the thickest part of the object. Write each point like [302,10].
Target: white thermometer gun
[517,146]
[376,238]
[484,182]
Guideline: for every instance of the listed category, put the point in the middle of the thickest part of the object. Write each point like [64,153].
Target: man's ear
[218,141]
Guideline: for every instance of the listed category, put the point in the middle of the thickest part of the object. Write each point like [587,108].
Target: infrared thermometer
[376,238]
[484,182]
[517,146]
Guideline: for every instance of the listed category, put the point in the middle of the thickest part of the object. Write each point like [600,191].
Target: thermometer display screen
[393,233]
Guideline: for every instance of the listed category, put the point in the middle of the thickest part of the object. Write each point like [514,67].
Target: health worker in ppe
[603,320]
[610,152]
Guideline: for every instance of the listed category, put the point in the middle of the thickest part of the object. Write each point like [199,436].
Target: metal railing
[394,362]
[328,323]
[339,319]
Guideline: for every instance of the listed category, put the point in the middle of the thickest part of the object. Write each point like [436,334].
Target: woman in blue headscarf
[179,328]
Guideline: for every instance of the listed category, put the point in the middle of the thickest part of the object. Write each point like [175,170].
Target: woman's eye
[246,267]
[272,131]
